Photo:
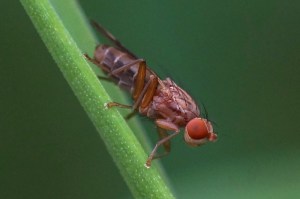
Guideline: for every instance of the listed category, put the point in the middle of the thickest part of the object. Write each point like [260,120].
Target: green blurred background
[240,58]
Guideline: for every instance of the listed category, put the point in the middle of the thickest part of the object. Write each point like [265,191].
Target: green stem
[123,146]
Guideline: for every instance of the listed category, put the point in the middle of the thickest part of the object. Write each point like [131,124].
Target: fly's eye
[197,128]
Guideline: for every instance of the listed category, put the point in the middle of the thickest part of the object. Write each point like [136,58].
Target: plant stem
[123,146]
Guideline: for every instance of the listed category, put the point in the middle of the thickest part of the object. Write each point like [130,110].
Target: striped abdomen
[112,59]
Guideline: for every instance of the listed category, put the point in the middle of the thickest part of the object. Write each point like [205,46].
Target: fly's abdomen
[112,59]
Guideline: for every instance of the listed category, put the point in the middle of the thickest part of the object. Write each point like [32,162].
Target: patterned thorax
[172,103]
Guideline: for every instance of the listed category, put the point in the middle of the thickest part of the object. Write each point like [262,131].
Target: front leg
[164,125]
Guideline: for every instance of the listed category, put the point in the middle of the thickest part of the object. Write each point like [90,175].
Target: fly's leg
[164,125]
[142,94]
[139,82]
[130,115]
[112,104]
[152,154]
[94,61]
[142,68]
[141,62]
[118,70]
[162,133]
[104,78]
[144,97]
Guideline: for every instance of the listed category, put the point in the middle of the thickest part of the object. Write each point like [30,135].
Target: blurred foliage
[240,59]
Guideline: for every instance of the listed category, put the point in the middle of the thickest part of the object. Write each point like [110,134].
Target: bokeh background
[239,58]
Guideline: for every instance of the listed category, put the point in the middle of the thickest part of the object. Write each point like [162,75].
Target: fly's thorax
[172,103]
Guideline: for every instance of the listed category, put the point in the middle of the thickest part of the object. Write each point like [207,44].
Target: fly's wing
[119,45]
[112,38]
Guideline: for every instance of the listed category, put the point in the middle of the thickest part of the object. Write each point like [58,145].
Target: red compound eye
[197,128]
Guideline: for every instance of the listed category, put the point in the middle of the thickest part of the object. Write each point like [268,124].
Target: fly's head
[199,131]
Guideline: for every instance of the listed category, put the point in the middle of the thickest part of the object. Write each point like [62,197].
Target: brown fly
[161,100]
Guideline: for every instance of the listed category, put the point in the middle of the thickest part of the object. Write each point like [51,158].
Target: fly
[163,101]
